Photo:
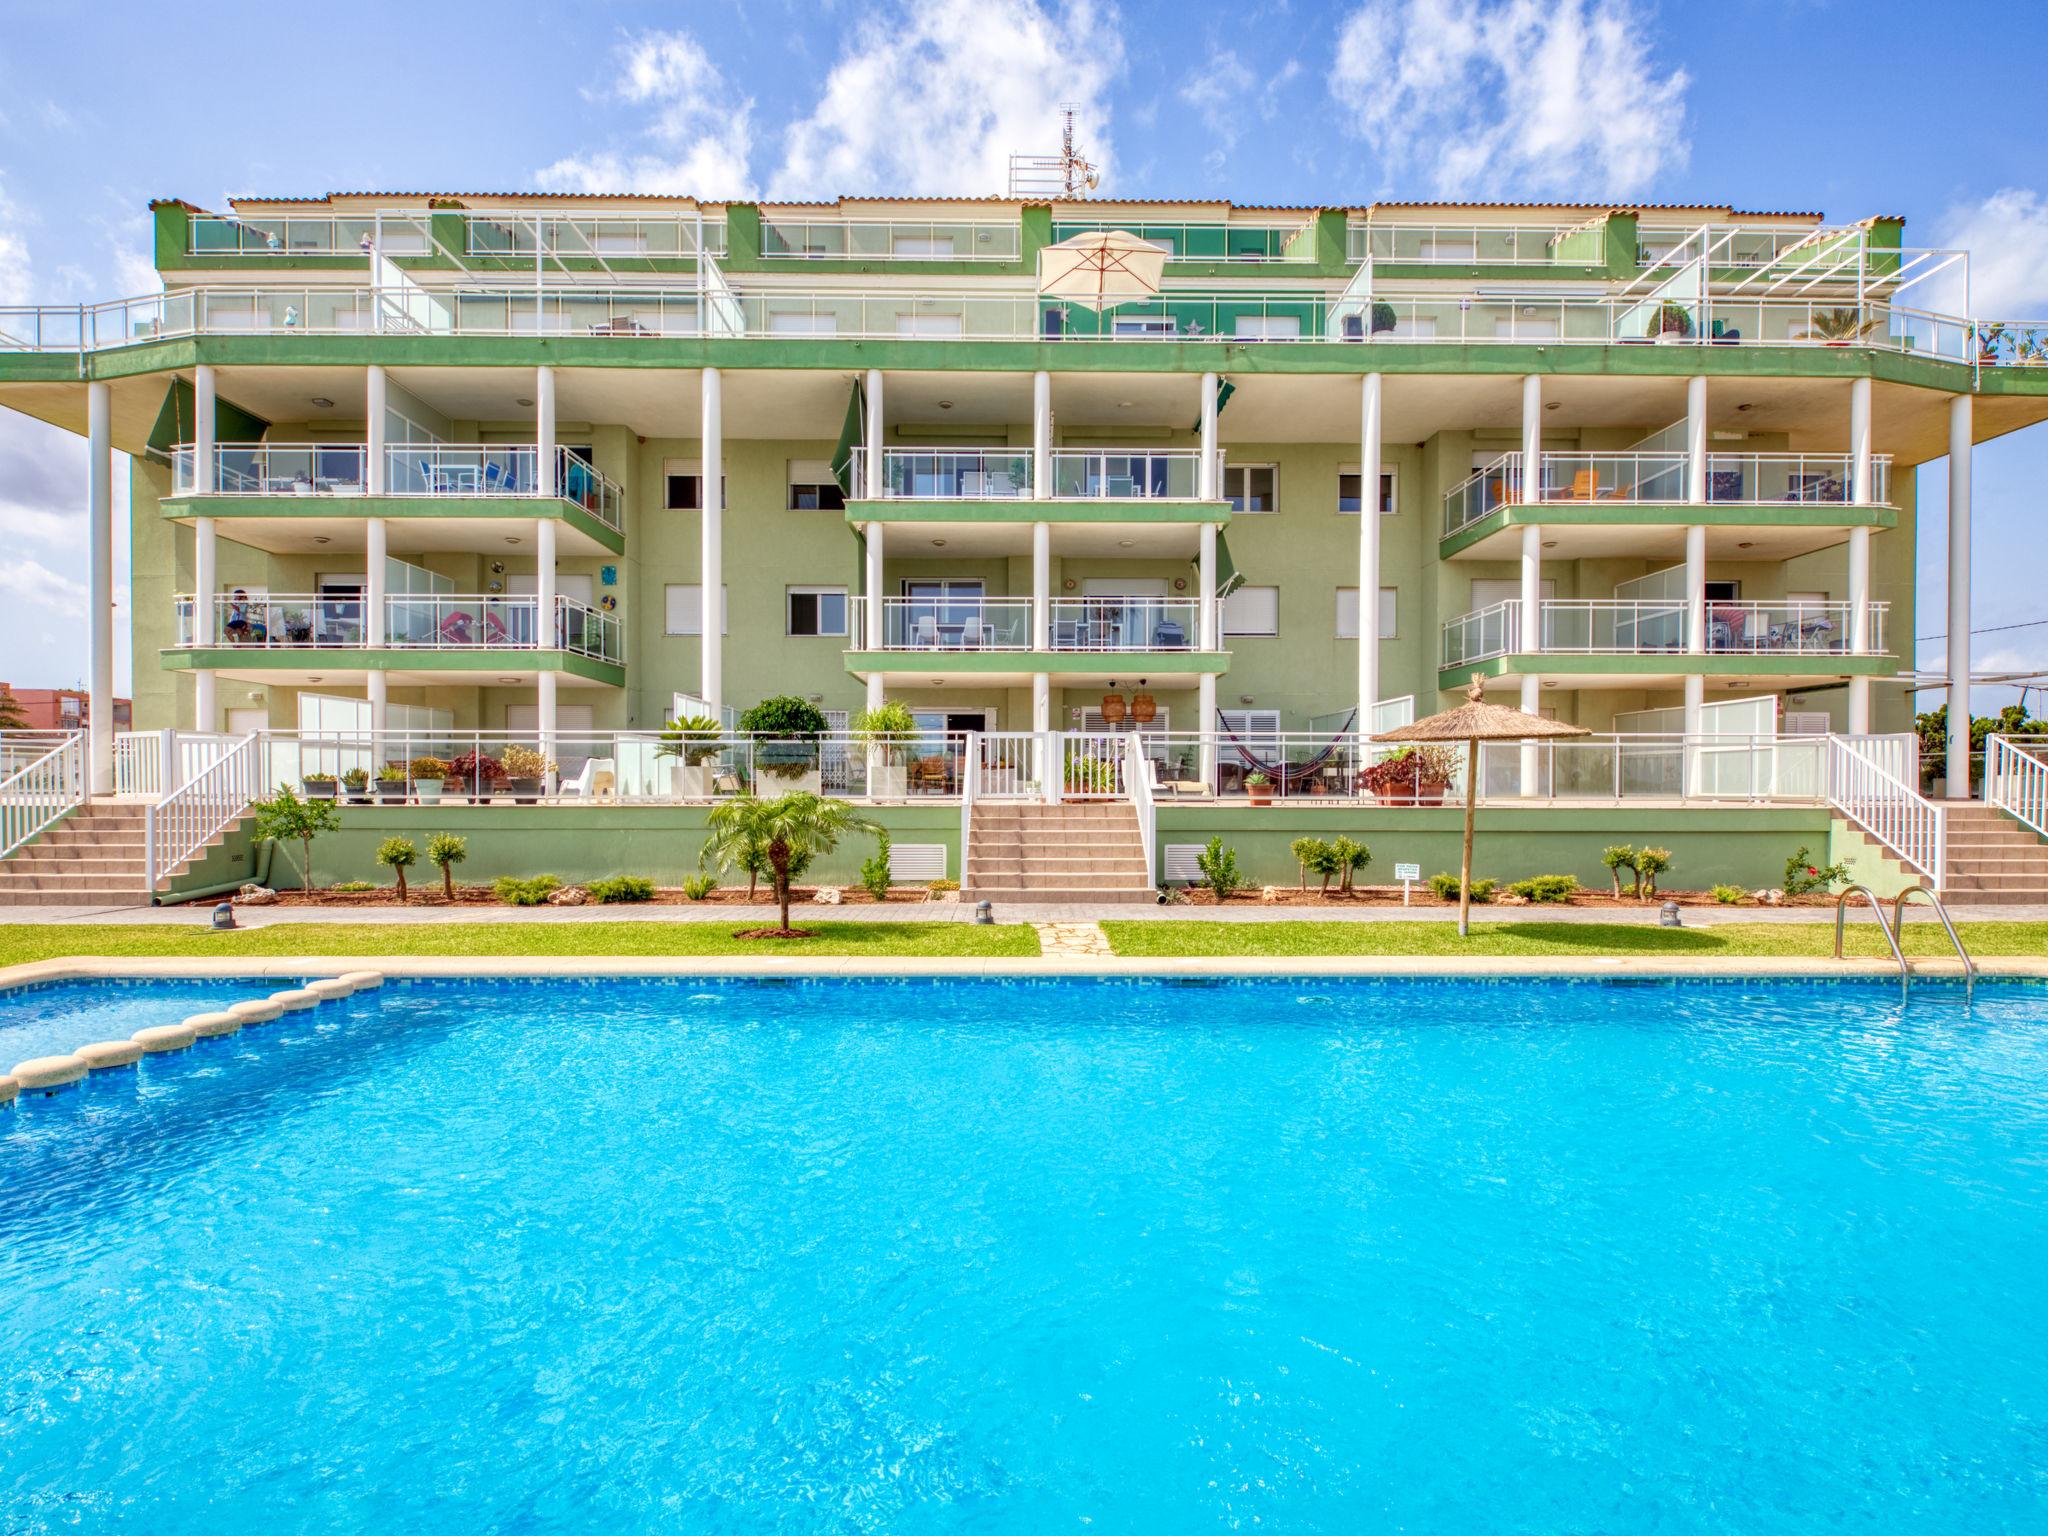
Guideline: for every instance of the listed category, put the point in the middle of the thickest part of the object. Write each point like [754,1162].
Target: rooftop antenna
[1036,178]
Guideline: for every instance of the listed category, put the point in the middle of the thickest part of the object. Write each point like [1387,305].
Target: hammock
[1283,773]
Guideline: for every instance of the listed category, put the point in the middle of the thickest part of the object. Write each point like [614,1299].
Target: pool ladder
[1893,928]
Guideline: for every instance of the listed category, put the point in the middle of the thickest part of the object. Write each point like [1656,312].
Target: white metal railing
[1763,479]
[274,469]
[1122,474]
[1137,776]
[1125,624]
[41,790]
[1613,626]
[1793,628]
[1112,474]
[1208,240]
[1793,479]
[210,234]
[199,810]
[1865,786]
[574,236]
[2016,779]
[1465,244]
[412,621]
[943,623]
[892,239]
[1649,627]
[1485,632]
[513,469]
[148,762]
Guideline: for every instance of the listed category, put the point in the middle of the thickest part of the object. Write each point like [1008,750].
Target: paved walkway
[1063,941]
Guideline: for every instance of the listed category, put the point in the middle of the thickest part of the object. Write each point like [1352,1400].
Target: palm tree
[12,716]
[785,834]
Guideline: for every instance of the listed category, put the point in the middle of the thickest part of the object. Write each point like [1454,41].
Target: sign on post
[1407,874]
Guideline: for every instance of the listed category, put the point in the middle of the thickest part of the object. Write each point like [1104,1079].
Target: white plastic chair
[600,777]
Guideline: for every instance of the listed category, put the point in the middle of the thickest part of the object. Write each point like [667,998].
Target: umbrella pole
[1465,865]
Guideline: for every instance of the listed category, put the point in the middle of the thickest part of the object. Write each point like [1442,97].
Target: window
[1269,327]
[1252,611]
[801,323]
[1252,487]
[1347,613]
[1142,325]
[1347,491]
[813,487]
[921,247]
[683,486]
[686,610]
[815,610]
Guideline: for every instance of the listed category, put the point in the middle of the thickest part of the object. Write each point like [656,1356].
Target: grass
[1521,939]
[21,942]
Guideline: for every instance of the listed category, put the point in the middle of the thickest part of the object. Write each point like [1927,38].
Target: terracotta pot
[1261,794]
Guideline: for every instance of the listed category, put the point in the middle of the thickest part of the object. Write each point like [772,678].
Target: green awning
[850,435]
[174,423]
[1228,577]
[1224,390]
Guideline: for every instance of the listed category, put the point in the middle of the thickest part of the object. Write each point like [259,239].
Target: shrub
[1650,863]
[1446,888]
[1315,857]
[524,893]
[891,728]
[786,716]
[1545,888]
[1803,879]
[445,850]
[942,885]
[391,773]
[621,888]
[693,738]
[697,887]
[355,887]
[356,778]
[479,769]
[874,870]
[1729,895]
[284,816]
[1090,776]
[1618,857]
[398,855]
[1218,865]
[525,763]
[1350,858]
[429,768]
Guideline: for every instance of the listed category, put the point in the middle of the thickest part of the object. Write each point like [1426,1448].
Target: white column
[547,632]
[1961,432]
[375,397]
[1041,701]
[874,619]
[1531,704]
[711,559]
[1696,590]
[1861,492]
[1530,640]
[1695,703]
[1532,437]
[1205,707]
[1368,549]
[1696,439]
[99,566]
[376,586]
[1207,615]
[1205,472]
[1041,435]
[205,710]
[380,715]
[876,437]
[204,582]
[549,682]
[1041,587]
[544,426]
[204,434]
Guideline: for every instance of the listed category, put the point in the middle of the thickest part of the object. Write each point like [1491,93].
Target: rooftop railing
[1756,479]
[1647,627]
[1003,474]
[273,621]
[891,240]
[1461,244]
[1207,240]
[586,236]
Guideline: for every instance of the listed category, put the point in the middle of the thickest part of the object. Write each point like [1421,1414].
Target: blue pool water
[986,1257]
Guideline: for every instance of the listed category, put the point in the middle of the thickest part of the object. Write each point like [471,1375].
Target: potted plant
[480,771]
[357,782]
[391,784]
[697,740]
[1393,778]
[320,786]
[890,732]
[1435,767]
[1259,787]
[526,773]
[1090,778]
[298,626]
[429,774]
[1383,317]
[786,731]
[1671,322]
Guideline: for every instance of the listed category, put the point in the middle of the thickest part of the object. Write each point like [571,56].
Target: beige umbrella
[1101,269]
[1472,722]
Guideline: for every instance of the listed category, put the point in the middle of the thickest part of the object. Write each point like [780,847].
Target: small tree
[874,871]
[1650,863]
[1350,858]
[1218,865]
[1315,858]
[285,817]
[1617,857]
[786,834]
[696,739]
[397,855]
[444,851]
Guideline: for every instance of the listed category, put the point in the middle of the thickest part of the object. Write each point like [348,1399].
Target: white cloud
[1512,98]
[935,97]
[31,582]
[698,137]
[16,275]
[2007,237]
[1219,90]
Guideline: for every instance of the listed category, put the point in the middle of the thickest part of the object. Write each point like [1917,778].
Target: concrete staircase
[1083,852]
[94,857]
[1993,860]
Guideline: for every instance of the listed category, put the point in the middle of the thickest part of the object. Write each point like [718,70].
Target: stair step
[1057,895]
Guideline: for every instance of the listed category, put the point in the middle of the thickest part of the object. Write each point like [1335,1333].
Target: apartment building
[561,465]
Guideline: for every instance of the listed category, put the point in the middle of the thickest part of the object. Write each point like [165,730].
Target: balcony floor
[1015,669]
[298,666]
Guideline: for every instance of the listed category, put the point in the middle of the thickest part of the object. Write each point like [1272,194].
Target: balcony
[1131,625]
[1659,627]
[1006,474]
[439,622]
[466,471]
[1233,242]
[653,237]
[298,236]
[1490,245]
[786,239]
[1574,487]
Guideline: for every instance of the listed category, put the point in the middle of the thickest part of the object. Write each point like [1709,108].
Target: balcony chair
[599,779]
[924,632]
[1585,485]
[1168,635]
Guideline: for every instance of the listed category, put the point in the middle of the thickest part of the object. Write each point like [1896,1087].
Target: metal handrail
[1940,911]
[1877,906]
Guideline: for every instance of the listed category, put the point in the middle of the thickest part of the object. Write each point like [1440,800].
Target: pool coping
[1582,967]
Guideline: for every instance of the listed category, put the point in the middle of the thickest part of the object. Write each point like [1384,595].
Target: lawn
[21,942]
[1520,940]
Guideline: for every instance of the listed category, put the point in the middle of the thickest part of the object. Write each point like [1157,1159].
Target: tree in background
[12,716]
[444,851]
[285,817]
[397,854]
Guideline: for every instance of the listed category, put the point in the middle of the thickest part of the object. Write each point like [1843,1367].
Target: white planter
[429,790]
[889,781]
[691,781]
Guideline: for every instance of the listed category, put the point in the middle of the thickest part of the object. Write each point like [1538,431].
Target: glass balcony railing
[653,237]
[1208,241]
[1462,244]
[272,621]
[218,235]
[1005,474]
[1756,479]
[1079,624]
[891,240]
[1125,624]
[1648,627]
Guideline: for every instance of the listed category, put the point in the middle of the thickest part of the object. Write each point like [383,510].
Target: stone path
[1069,941]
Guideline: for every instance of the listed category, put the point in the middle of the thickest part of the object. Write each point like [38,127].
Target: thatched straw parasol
[1472,722]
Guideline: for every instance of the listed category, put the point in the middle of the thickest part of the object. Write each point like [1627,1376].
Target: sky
[1846,107]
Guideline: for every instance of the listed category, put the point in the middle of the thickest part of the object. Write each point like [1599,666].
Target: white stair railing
[2016,780]
[42,790]
[1865,786]
[204,806]
[1137,769]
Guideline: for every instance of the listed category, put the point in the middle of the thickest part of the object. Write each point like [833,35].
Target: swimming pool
[995,1256]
